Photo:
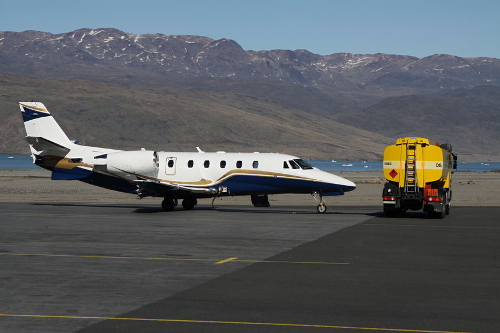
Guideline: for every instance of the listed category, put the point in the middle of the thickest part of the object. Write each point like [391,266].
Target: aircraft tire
[189,203]
[168,204]
[321,208]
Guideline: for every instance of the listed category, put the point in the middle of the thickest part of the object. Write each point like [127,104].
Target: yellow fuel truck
[418,174]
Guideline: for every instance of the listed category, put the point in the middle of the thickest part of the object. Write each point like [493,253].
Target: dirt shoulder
[469,189]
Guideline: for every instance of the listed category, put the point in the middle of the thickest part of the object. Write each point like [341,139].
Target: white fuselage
[241,173]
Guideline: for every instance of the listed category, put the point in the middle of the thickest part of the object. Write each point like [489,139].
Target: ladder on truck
[411,184]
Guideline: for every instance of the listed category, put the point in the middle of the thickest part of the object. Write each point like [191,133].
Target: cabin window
[303,164]
[190,163]
[293,164]
[255,164]
[101,156]
[222,164]
[285,165]
[170,163]
[206,164]
[239,164]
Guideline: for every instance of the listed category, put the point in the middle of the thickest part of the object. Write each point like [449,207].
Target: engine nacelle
[138,162]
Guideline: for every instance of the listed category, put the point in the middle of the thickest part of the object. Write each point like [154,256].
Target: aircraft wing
[41,144]
[160,189]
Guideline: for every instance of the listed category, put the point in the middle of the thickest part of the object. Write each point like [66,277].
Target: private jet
[174,176]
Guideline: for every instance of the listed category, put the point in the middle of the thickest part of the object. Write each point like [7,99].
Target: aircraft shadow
[88,205]
[140,209]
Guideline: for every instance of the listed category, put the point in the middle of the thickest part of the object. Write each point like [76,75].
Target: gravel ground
[469,189]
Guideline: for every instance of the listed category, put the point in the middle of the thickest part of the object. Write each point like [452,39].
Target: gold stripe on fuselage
[207,182]
[62,163]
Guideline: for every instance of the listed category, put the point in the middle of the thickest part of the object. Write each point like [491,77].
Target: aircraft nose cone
[350,185]
[345,184]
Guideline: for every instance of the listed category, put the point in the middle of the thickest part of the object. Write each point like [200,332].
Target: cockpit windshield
[296,163]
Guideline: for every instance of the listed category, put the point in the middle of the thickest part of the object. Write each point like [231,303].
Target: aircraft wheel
[189,203]
[168,204]
[260,200]
[321,208]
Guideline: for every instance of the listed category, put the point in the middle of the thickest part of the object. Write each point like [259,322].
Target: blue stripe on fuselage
[68,174]
[242,184]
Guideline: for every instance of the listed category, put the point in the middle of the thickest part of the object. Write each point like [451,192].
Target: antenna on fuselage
[199,150]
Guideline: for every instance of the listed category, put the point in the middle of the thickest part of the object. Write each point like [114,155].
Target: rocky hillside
[177,92]
[110,54]
[178,119]
[470,119]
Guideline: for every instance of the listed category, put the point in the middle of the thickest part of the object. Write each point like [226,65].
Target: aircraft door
[170,165]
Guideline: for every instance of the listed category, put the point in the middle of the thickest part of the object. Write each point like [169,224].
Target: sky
[405,27]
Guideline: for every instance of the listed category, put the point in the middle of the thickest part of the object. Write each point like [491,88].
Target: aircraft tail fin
[43,132]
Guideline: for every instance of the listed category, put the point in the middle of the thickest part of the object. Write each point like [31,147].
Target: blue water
[377,166]
[25,162]
[17,162]
[348,165]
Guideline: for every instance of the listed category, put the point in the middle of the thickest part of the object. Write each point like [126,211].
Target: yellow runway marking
[216,261]
[427,226]
[189,321]
[297,262]
[226,260]
[103,257]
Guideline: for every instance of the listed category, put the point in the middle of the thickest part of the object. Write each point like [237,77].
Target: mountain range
[193,90]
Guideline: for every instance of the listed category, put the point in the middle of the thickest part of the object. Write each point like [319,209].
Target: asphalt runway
[125,268]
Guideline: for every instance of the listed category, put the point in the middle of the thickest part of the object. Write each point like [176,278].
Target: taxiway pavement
[125,268]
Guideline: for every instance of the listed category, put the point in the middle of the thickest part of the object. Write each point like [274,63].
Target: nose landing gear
[321,208]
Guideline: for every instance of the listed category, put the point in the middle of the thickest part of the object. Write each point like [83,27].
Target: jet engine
[137,163]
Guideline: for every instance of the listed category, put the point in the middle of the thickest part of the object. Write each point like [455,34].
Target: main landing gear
[321,208]
[168,204]
[260,200]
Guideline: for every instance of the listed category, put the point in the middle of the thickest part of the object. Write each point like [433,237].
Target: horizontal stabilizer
[41,144]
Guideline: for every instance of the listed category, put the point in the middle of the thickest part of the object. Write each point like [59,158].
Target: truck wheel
[437,215]
[390,211]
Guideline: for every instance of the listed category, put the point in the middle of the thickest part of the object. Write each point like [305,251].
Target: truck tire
[437,215]
[390,211]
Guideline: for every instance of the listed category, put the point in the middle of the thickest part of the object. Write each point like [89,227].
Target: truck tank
[418,174]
